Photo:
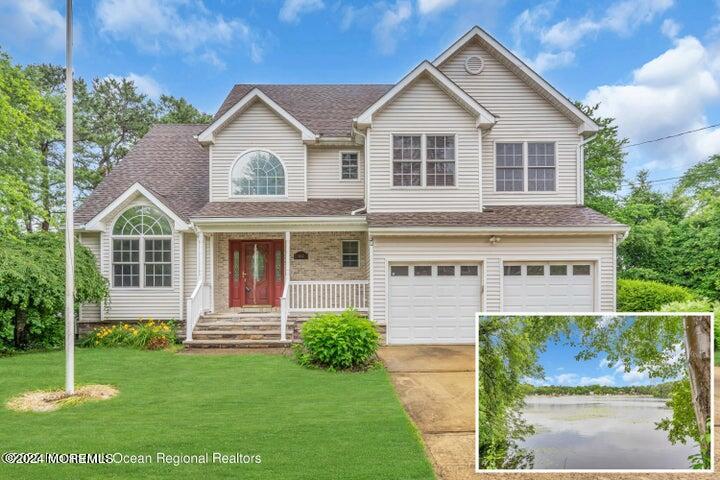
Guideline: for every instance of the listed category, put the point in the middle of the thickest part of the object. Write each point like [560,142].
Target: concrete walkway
[437,386]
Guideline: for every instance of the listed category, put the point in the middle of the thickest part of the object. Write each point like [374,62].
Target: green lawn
[303,423]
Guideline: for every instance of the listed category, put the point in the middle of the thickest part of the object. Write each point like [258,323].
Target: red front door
[256,272]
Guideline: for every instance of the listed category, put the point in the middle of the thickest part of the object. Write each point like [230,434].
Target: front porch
[256,288]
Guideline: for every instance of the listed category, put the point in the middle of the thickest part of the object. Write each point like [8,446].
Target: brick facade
[324,260]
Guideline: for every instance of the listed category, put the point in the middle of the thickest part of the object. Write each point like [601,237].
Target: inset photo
[612,392]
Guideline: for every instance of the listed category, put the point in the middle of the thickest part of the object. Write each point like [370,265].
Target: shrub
[648,296]
[698,305]
[338,341]
[32,289]
[150,335]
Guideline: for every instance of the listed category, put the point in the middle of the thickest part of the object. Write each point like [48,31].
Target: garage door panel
[434,308]
[548,293]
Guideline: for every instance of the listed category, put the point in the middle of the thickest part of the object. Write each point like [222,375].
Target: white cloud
[564,379]
[605,380]
[560,40]
[622,18]
[145,84]
[292,10]
[531,21]
[33,21]
[670,28]
[390,26]
[186,26]
[635,376]
[667,95]
[430,6]
[545,61]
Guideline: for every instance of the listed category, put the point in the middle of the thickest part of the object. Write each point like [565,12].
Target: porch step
[242,315]
[236,343]
[236,334]
[242,325]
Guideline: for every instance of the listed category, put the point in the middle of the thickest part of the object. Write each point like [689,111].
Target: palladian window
[142,249]
[258,173]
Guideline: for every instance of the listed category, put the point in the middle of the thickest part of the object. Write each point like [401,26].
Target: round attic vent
[474,64]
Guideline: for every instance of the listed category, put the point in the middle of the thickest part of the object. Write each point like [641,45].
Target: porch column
[200,245]
[284,305]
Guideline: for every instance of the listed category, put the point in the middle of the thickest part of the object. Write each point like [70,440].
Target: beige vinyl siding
[523,115]
[324,174]
[257,127]
[423,108]
[598,249]
[160,303]
[90,312]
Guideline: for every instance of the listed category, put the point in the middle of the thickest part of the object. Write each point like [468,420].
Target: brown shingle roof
[498,216]
[325,109]
[168,161]
[314,207]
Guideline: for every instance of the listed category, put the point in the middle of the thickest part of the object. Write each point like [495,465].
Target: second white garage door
[548,287]
[433,303]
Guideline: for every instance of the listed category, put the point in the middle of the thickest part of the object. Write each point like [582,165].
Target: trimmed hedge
[648,296]
[338,341]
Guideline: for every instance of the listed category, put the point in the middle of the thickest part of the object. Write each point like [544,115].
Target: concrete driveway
[437,386]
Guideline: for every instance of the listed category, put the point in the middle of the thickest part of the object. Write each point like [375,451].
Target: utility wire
[674,135]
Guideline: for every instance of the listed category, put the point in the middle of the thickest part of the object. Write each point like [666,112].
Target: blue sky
[561,367]
[652,64]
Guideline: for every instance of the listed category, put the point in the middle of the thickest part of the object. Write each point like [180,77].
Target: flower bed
[146,335]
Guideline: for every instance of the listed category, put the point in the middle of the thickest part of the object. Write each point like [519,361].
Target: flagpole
[69,227]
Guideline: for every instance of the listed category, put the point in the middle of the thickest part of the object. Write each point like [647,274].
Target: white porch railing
[197,304]
[284,307]
[330,295]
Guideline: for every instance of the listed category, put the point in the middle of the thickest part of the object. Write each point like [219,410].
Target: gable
[207,136]
[425,69]
[423,101]
[502,90]
[495,49]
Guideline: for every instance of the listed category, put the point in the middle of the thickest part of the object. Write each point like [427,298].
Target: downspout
[366,170]
[581,169]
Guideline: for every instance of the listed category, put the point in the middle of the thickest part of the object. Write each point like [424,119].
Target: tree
[50,81]
[115,116]
[178,110]
[701,182]
[32,288]
[25,118]
[604,162]
[16,203]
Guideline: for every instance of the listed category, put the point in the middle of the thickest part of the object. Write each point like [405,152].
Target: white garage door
[548,287]
[433,303]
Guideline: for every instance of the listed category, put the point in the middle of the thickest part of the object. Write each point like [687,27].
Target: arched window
[257,173]
[142,248]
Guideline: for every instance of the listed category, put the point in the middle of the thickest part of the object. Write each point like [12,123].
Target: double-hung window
[407,160]
[440,160]
[142,249]
[350,253]
[525,167]
[509,174]
[424,160]
[349,166]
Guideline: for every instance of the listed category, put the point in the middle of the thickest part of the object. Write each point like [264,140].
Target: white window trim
[233,196]
[141,252]
[525,168]
[340,159]
[423,162]
[342,253]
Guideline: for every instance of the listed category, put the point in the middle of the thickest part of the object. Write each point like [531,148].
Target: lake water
[602,432]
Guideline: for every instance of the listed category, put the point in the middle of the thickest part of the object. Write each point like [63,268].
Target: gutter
[402,231]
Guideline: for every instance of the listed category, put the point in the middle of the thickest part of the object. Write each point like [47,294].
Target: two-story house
[456,190]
